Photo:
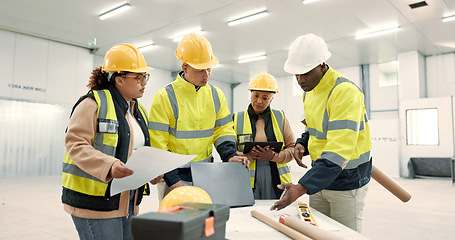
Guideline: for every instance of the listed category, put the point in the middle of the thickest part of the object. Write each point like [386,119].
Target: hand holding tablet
[275,145]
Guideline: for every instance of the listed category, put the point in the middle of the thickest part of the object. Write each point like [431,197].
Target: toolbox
[183,222]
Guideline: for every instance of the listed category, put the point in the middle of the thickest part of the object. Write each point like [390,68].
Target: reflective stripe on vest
[195,134]
[105,141]
[242,125]
[175,109]
[143,113]
[340,125]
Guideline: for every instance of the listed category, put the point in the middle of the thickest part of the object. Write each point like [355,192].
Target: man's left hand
[243,160]
[293,192]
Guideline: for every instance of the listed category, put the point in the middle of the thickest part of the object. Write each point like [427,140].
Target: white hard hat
[306,53]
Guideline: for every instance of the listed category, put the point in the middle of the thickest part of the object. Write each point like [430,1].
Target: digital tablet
[275,145]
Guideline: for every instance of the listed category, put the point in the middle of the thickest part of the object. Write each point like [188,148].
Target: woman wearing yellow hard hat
[260,123]
[105,127]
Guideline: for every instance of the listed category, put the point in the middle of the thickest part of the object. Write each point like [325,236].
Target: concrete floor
[30,208]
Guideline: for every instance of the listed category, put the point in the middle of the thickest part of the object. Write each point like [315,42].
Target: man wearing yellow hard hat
[337,136]
[189,115]
[263,124]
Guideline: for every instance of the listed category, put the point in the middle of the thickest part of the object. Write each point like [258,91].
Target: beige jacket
[78,142]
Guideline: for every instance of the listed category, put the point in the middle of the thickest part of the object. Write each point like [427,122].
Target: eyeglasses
[140,78]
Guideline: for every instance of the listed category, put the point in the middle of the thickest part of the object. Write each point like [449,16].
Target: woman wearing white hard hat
[105,127]
[337,136]
[259,123]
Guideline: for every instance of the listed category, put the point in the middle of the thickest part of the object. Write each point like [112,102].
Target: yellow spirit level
[305,213]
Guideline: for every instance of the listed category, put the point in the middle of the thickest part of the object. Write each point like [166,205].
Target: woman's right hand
[176,185]
[118,170]
[157,179]
[299,150]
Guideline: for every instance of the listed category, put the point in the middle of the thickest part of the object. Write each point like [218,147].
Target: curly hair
[99,79]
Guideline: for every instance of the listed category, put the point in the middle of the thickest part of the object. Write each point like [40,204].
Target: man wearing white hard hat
[337,136]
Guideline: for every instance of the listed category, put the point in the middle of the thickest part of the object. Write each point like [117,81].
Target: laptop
[226,183]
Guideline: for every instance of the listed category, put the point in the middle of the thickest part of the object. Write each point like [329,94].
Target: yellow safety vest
[106,139]
[185,121]
[331,115]
[242,125]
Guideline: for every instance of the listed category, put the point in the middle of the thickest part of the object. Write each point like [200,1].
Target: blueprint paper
[147,164]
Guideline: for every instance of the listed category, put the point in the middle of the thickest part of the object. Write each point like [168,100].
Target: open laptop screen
[226,183]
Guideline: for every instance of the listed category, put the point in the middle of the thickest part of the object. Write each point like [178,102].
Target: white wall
[382,98]
[41,80]
[384,123]
[445,130]
[352,73]
[411,76]
[385,136]
[440,75]
[40,70]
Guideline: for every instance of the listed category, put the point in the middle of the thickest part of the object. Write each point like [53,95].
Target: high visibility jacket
[185,121]
[77,184]
[242,125]
[338,132]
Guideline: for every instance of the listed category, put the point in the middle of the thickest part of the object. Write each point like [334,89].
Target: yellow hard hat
[125,57]
[263,82]
[184,194]
[196,50]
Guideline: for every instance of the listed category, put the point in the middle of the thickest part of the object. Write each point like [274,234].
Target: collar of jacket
[268,128]
[122,103]
[181,80]
[326,80]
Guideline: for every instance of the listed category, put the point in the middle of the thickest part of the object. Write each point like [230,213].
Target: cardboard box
[189,221]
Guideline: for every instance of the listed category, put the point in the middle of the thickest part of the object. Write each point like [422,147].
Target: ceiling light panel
[374,34]
[248,18]
[309,1]
[146,47]
[114,11]
[251,59]
[180,36]
[448,19]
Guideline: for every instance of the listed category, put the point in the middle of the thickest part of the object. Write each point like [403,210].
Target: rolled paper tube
[390,184]
[307,229]
[278,226]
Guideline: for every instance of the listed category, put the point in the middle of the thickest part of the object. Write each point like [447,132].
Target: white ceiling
[157,21]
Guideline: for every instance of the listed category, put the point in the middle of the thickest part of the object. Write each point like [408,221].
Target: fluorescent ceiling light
[373,34]
[251,59]
[177,39]
[114,11]
[448,19]
[248,18]
[146,47]
[309,1]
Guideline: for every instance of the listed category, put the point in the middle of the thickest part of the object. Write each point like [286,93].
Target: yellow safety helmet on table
[185,194]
